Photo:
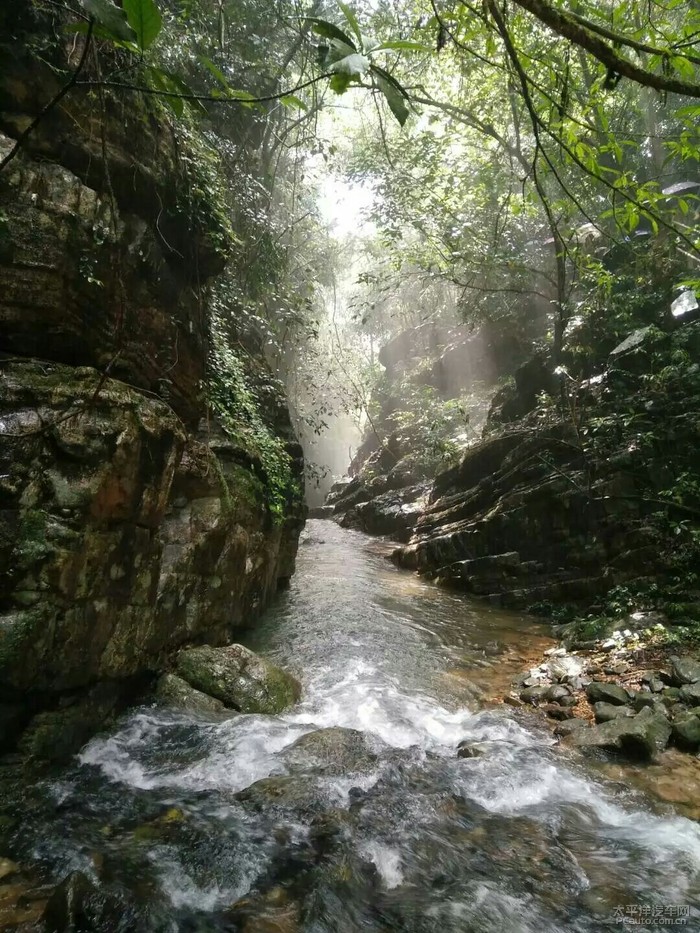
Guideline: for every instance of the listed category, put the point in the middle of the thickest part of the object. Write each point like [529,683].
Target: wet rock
[7,868]
[641,736]
[690,694]
[172,690]
[467,750]
[606,712]
[684,671]
[598,692]
[239,678]
[271,912]
[78,906]
[54,736]
[333,751]
[296,793]
[686,732]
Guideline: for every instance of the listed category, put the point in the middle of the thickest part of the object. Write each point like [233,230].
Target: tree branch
[583,35]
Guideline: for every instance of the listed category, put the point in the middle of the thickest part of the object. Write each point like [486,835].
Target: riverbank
[627,702]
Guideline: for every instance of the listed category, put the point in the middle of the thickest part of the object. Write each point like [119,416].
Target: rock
[554,711]
[642,736]
[7,868]
[557,693]
[569,727]
[239,678]
[534,694]
[79,905]
[561,667]
[598,692]
[575,682]
[653,680]
[296,793]
[172,690]
[606,712]
[271,912]
[670,694]
[684,671]
[686,732]
[642,699]
[690,694]
[467,750]
[334,751]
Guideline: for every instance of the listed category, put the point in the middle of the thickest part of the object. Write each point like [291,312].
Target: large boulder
[172,690]
[690,694]
[333,751]
[641,736]
[684,671]
[239,678]
[686,732]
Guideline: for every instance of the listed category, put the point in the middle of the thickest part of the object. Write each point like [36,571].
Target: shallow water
[525,838]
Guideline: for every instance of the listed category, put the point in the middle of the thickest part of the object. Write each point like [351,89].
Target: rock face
[643,735]
[561,509]
[238,678]
[130,523]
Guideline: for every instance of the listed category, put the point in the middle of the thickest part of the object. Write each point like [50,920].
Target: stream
[525,838]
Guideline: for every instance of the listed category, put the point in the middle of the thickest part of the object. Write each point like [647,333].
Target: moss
[20,631]
[283,691]
[31,544]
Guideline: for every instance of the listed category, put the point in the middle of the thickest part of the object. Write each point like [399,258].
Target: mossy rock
[173,691]
[333,751]
[239,678]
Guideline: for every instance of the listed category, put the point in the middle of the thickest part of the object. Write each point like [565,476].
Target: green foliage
[145,20]
[238,410]
[111,19]
[350,60]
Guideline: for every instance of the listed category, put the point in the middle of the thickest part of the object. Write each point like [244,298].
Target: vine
[239,412]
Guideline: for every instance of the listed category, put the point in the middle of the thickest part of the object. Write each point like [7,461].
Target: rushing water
[522,839]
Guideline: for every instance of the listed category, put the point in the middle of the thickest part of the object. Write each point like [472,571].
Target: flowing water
[524,838]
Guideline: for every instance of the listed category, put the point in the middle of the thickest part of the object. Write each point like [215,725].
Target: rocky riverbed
[628,701]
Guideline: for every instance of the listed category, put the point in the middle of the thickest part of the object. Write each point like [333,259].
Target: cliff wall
[131,521]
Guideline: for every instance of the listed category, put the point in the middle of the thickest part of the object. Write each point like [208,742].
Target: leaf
[396,96]
[396,102]
[110,18]
[352,20]
[145,19]
[355,65]
[214,70]
[291,100]
[329,31]
[403,45]
[175,87]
